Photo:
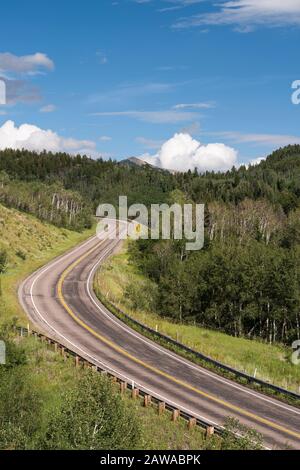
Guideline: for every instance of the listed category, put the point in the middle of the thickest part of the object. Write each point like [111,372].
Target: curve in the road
[148,366]
[64,286]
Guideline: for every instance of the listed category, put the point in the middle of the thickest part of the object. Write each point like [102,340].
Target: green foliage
[19,402]
[20,409]
[270,362]
[3,261]
[92,416]
[89,414]
[30,181]
[249,439]
[245,290]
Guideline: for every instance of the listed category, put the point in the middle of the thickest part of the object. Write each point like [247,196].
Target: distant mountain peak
[134,161]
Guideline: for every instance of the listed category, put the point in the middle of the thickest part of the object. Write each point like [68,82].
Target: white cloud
[131,91]
[256,161]
[182,153]
[49,108]
[105,138]
[246,14]
[270,140]
[154,117]
[194,106]
[178,4]
[33,138]
[29,64]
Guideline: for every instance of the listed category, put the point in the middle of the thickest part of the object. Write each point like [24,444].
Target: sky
[179,83]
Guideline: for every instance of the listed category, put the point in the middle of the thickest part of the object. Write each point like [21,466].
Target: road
[59,299]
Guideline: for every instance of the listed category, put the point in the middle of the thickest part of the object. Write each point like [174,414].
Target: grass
[270,362]
[30,244]
[52,375]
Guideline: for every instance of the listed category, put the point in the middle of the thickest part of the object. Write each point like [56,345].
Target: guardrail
[249,378]
[148,399]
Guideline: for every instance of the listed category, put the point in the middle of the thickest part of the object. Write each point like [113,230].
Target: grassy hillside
[34,387]
[52,377]
[29,244]
[118,280]
[47,384]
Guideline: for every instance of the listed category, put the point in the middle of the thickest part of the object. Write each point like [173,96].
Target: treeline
[246,280]
[96,180]
[51,203]
[276,180]
[66,190]
[252,232]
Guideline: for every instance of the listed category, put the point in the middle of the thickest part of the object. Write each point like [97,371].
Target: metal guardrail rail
[136,392]
[250,379]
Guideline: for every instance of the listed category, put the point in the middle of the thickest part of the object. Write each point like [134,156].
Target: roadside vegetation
[47,403]
[124,285]
[237,300]
[246,281]
[25,245]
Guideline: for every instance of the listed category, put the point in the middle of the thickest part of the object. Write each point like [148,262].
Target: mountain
[134,161]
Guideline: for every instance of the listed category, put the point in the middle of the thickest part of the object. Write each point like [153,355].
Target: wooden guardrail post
[192,423]
[76,361]
[147,400]
[123,387]
[161,407]
[135,393]
[175,415]
[210,430]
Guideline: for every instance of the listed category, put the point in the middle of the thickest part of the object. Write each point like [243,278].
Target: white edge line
[173,356]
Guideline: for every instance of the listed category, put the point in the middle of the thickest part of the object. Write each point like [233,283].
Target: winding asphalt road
[59,299]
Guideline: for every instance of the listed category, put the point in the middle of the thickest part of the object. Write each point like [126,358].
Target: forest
[246,279]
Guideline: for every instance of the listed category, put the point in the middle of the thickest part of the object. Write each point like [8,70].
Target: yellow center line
[122,351]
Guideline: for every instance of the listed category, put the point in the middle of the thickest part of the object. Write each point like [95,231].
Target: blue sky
[122,77]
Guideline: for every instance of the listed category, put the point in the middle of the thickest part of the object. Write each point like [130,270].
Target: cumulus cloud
[33,138]
[25,64]
[183,153]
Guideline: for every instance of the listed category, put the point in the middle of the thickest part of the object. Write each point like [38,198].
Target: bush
[248,438]
[92,416]
[3,261]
